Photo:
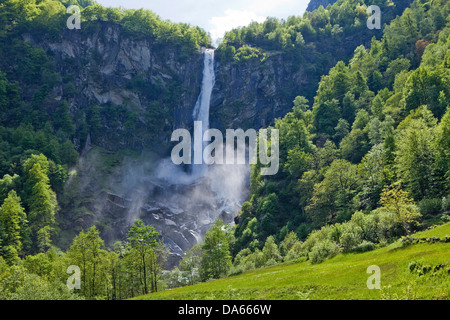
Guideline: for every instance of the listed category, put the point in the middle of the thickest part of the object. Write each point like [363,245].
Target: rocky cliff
[118,71]
[252,94]
[144,91]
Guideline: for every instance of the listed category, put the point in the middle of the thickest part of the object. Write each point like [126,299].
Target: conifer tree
[13,221]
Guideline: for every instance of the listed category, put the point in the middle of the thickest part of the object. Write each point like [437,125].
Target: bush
[350,237]
[258,258]
[388,228]
[322,250]
[325,233]
[235,270]
[270,262]
[370,228]
[270,250]
[242,256]
[446,203]
[430,206]
[295,252]
[246,53]
[249,265]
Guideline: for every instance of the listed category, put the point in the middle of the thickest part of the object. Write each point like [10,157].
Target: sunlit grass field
[341,277]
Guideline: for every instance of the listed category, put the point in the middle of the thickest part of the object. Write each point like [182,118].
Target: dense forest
[376,120]
[364,152]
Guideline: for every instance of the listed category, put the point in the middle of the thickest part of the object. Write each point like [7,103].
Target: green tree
[63,120]
[416,153]
[270,251]
[428,87]
[78,255]
[443,151]
[341,129]
[396,201]
[44,238]
[354,146]
[191,264]
[87,252]
[7,184]
[13,221]
[332,198]
[326,116]
[142,240]
[288,242]
[42,202]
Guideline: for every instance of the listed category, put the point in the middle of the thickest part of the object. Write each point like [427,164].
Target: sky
[214,16]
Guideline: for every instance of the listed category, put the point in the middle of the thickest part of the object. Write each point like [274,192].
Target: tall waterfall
[201,112]
[182,205]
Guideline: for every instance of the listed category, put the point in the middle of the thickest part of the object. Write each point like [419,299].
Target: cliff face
[110,68]
[252,94]
[123,74]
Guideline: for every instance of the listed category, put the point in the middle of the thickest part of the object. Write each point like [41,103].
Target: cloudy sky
[215,16]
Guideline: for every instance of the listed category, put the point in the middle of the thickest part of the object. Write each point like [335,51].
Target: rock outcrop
[180,217]
[252,94]
[110,68]
[122,73]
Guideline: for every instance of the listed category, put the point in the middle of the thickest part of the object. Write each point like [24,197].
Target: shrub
[388,228]
[412,265]
[270,262]
[295,252]
[322,250]
[430,206]
[270,250]
[242,256]
[315,236]
[235,270]
[370,228]
[446,203]
[288,242]
[258,258]
[246,53]
[249,265]
[364,246]
[350,237]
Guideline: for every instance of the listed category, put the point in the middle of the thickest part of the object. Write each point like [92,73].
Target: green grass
[342,277]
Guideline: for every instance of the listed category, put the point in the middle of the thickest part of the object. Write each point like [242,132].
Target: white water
[201,109]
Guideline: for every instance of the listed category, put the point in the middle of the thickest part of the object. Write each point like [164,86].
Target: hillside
[341,277]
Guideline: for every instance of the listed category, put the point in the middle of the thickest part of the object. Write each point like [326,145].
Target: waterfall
[201,112]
